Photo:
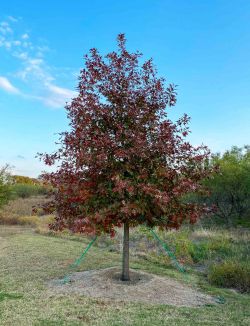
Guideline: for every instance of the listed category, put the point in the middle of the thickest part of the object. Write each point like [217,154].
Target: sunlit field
[31,256]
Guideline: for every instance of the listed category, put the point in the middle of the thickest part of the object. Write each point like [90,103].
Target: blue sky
[203,46]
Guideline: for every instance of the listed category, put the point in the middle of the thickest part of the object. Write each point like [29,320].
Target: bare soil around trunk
[143,287]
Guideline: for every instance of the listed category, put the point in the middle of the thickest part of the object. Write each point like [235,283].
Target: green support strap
[168,251]
[219,299]
[77,262]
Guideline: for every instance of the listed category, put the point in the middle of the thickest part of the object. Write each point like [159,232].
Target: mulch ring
[143,287]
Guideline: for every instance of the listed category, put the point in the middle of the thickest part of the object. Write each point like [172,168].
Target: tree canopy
[123,160]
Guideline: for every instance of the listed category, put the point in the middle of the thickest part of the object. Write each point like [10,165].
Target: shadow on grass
[4,295]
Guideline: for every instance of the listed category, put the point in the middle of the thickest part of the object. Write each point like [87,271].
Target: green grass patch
[29,260]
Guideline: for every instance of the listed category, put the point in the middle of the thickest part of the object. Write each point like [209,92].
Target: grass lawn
[28,260]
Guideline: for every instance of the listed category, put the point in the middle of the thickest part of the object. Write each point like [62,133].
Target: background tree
[230,188]
[124,162]
[5,182]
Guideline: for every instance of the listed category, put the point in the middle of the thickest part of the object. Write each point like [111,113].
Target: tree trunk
[125,256]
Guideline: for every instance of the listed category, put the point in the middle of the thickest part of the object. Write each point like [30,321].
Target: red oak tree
[124,162]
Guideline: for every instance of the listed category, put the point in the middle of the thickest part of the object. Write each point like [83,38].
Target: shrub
[5,181]
[20,190]
[230,189]
[230,274]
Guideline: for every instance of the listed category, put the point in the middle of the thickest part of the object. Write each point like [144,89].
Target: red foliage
[123,158]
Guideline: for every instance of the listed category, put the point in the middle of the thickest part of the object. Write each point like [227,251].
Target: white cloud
[13,19]
[4,24]
[34,72]
[61,91]
[17,43]
[8,45]
[6,85]
[58,96]
[5,28]
[25,36]
[21,55]
[33,68]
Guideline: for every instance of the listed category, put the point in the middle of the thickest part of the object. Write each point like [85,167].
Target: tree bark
[125,256]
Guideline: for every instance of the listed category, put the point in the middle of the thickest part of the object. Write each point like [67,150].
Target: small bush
[230,274]
[20,190]
[5,181]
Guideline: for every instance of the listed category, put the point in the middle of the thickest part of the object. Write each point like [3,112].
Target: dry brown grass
[19,212]
[22,207]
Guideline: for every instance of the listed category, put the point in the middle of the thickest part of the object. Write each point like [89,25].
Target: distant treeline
[229,187]
[25,180]
[16,186]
